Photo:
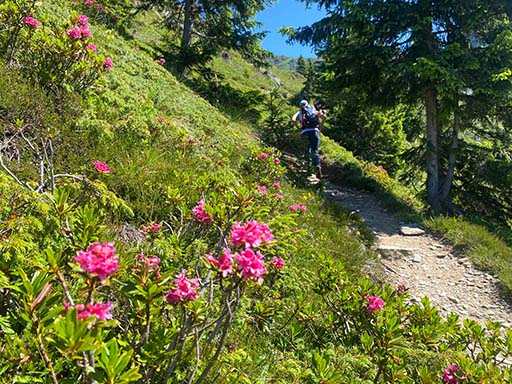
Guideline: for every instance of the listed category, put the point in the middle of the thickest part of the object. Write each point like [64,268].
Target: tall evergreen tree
[431,51]
[207,27]
[301,65]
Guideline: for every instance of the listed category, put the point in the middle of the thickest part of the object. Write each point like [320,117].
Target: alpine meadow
[159,223]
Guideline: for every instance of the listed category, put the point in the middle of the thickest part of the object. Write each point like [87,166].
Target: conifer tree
[207,27]
[301,65]
[422,50]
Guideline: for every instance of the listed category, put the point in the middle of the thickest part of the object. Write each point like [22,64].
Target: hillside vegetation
[156,229]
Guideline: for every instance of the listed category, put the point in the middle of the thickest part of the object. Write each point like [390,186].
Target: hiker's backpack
[309,118]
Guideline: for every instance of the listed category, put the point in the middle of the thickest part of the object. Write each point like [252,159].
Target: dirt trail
[427,266]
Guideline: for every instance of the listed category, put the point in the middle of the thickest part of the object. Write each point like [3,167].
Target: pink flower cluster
[99,259]
[375,303]
[298,207]
[262,156]
[186,289]
[151,263]
[400,290]
[160,119]
[82,20]
[90,2]
[34,23]
[101,166]
[200,214]
[251,265]
[277,263]
[81,30]
[453,375]
[92,47]
[152,228]
[100,310]
[160,61]
[277,161]
[108,63]
[261,189]
[224,263]
[251,234]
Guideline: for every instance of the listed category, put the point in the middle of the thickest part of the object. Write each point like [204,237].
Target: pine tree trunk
[432,154]
[186,37]
[450,171]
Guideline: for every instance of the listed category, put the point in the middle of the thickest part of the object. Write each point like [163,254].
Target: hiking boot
[318,172]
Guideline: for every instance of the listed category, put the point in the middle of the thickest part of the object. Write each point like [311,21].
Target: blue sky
[287,13]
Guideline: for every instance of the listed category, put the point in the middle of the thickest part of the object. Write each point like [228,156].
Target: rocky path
[427,266]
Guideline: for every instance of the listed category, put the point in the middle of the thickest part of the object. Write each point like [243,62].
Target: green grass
[147,157]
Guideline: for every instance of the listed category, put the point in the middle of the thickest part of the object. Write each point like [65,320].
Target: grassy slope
[118,124]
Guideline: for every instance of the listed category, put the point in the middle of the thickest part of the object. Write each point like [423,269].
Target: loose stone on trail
[411,231]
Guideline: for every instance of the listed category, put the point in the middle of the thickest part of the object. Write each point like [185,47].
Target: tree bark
[452,159]
[432,154]
[186,37]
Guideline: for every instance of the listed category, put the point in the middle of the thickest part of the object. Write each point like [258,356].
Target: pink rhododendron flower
[101,166]
[261,189]
[224,263]
[251,265]
[200,214]
[160,119]
[89,2]
[99,7]
[108,63]
[277,161]
[400,290]
[277,185]
[92,47]
[34,23]
[375,303]
[277,263]
[154,228]
[453,375]
[151,263]
[101,311]
[251,234]
[186,289]
[262,156]
[278,196]
[160,61]
[86,32]
[74,33]
[298,207]
[99,259]
[82,19]
[211,259]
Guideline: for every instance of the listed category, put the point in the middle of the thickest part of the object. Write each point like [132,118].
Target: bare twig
[42,349]
[53,177]
[8,171]
[198,356]
[222,340]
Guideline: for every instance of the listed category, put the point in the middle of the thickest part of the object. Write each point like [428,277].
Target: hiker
[310,121]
